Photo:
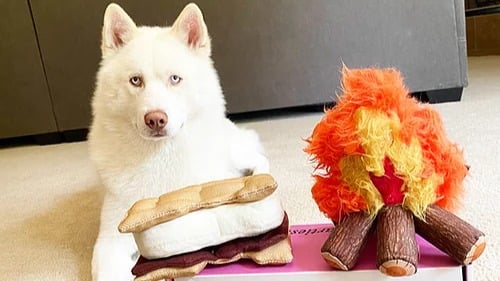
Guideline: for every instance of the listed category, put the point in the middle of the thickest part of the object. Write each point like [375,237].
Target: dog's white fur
[198,144]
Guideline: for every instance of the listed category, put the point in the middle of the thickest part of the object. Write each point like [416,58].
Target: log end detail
[334,261]
[476,250]
[397,268]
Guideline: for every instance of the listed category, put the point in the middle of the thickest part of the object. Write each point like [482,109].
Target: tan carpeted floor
[51,196]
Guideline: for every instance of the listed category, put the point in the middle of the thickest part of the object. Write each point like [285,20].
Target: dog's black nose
[156,120]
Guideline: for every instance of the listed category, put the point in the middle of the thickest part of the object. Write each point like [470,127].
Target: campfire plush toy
[385,163]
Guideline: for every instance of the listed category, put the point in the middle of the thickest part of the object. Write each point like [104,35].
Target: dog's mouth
[158,134]
[155,135]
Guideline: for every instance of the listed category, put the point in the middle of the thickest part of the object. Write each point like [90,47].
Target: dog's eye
[175,79]
[136,81]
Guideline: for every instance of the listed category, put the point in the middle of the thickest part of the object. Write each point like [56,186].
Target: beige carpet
[51,197]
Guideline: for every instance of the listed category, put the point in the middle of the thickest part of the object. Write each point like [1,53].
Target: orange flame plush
[379,149]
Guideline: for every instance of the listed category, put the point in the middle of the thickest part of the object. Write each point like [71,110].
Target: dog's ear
[191,29]
[117,30]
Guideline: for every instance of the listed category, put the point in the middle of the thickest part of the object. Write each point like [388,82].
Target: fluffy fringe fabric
[376,118]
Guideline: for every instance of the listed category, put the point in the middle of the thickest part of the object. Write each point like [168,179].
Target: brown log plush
[450,234]
[397,249]
[342,248]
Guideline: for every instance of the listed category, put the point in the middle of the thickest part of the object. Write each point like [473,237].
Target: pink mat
[306,243]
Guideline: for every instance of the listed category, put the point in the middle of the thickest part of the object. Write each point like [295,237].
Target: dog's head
[155,79]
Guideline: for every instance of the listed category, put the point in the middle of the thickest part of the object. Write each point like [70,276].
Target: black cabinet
[269,53]
[25,104]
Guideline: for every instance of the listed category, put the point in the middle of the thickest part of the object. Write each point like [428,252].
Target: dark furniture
[269,53]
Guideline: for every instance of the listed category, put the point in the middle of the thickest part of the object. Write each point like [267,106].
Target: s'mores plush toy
[219,222]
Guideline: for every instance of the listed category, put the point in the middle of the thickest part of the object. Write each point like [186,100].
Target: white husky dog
[159,124]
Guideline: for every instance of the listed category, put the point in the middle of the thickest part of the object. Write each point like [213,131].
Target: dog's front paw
[112,270]
[111,274]
[112,262]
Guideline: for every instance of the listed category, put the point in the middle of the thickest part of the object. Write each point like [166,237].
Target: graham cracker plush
[152,211]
